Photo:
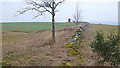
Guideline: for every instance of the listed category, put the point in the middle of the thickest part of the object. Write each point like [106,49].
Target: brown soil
[26,49]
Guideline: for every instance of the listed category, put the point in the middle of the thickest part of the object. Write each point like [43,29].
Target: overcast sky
[93,11]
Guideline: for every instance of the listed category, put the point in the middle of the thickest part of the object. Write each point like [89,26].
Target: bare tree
[42,6]
[77,14]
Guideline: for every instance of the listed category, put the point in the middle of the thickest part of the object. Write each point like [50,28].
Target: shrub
[108,49]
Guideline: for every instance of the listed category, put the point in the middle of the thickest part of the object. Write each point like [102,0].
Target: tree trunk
[53,21]
[53,27]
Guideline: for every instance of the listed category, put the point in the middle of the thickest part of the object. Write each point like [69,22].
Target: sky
[93,11]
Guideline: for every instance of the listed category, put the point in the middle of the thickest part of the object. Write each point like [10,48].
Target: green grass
[32,26]
[106,29]
[0,65]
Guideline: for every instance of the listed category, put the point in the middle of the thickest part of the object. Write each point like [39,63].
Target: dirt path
[87,51]
[38,49]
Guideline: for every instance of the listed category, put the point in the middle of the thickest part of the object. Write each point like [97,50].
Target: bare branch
[28,9]
[23,11]
[77,15]
[59,3]
[39,14]
[31,2]
[47,4]
[37,6]
[47,10]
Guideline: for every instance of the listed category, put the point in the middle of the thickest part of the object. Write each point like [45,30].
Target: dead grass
[37,48]
[26,49]
[107,29]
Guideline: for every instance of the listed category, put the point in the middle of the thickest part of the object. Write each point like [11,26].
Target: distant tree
[77,14]
[42,6]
